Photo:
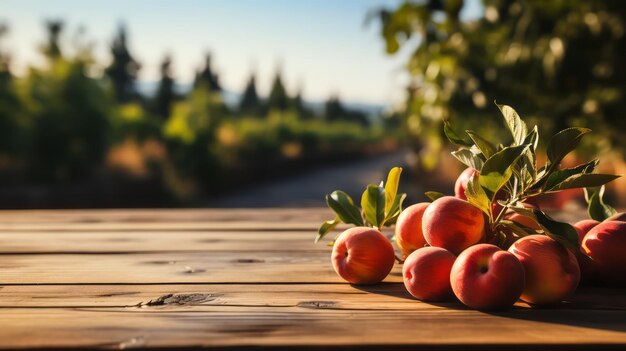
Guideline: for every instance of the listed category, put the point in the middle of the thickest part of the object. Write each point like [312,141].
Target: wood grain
[237,279]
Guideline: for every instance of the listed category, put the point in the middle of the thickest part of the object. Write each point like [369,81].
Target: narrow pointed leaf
[560,175]
[596,208]
[564,233]
[482,144]
[476,195]
[564,142]
[326,228]
[396,209]
[453,136]
[373,205]
[516,126]
[434,195]
[468,158]
[497,169]
[584,180]
[391,188]
[344,207]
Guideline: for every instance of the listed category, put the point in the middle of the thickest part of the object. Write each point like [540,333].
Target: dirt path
[308,190]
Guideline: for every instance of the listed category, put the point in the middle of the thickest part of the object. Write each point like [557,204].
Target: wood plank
[147,241]
[175,267]
[380,297]
[218,326]
[164,215]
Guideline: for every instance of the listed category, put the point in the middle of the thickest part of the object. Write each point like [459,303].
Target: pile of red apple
[490,244]
[445,255]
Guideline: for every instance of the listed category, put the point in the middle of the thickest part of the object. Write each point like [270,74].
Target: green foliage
[560,61]
[68,121]
[380,206]
[510,176]
[596,208]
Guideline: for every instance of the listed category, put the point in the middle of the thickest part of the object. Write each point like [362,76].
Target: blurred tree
[124,69]
[560,63]
[52,49]
[297,104]
[335,111]
[250,103]
[165,94]
[68,112]
[207,77]
[278,99]
[9,103]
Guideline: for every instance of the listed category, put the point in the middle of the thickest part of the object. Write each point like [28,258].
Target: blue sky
[323,46]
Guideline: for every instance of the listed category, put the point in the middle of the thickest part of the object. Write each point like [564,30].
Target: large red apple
[484,277]
[552,272]
[362,255]
[408,235]
[453,224]
[584,262]
[426,273]
[606,245]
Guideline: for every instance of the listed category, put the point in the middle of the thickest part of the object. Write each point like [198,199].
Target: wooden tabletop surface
[236,278]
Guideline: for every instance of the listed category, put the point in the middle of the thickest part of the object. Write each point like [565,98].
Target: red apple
[408,235]
[552,272]
[453,224]
[583,227]
[621,217]
[484,277]
[426,273]
[461,182]
[584,262]
[362,255]
[606,245]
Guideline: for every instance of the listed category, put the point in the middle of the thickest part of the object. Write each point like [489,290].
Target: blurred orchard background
[276,103]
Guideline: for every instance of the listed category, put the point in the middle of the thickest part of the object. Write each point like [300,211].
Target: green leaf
[482,144]
[468,158]
[497,169]
[562,232]
[453,136]
[434,195]
[563,142]
[396,209]
[561,175]
[584,180]
[516,126]
[391,188]
[344,207]
[373,205]
[326,228]
[519,229]
[532,138]
[596,208]
[476,195]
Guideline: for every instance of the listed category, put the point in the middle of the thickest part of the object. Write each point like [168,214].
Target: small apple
[408,234]
[461,182]
[362,255]
[606,245]
[484,277]
[453,224]
[426,273]
[552,272]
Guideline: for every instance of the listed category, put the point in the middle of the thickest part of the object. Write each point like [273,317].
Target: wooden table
[230,279]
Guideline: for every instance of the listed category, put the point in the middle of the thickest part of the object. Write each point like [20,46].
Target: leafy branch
[380,206]
[509,175]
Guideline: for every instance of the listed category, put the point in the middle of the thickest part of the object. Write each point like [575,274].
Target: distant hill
[232,98]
